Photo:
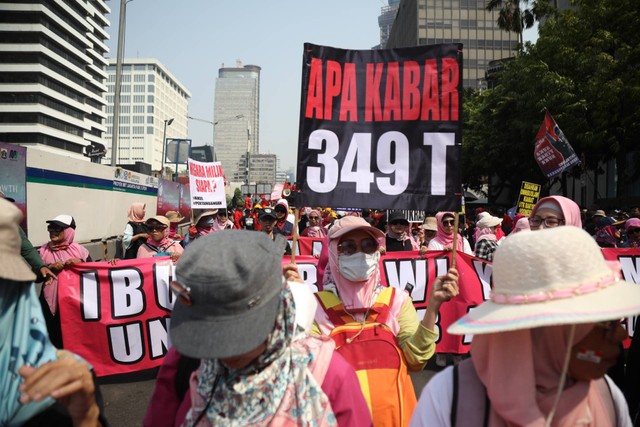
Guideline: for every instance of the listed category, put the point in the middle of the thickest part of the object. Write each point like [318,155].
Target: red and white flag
[552,151]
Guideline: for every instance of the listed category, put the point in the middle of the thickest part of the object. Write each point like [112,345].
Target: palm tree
[512,17]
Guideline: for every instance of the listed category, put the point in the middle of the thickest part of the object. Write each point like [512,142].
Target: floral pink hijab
[51,253]
[521,371]
[447,239]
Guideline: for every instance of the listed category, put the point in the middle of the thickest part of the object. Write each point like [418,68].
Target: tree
[513,18]
[585,69]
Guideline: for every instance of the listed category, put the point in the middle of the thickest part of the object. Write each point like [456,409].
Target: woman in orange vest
[376,328]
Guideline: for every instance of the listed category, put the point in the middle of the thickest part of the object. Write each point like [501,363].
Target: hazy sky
[193,38]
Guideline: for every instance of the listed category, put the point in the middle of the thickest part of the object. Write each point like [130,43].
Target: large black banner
[381,128]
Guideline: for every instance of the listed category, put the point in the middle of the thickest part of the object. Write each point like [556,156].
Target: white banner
[206,183]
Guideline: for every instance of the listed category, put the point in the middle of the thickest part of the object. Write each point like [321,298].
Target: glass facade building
[428,22]
[237,118]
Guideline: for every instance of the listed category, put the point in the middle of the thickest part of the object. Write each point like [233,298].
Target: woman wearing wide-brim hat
[542,343]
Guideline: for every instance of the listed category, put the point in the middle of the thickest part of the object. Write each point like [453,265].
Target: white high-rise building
[237,118]
[149,97]
[52,78]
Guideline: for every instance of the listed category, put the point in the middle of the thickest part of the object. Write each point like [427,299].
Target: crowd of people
[253,346]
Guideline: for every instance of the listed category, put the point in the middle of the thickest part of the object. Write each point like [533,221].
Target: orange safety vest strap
[336,312]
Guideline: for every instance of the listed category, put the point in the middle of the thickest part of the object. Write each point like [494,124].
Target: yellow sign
[529,195]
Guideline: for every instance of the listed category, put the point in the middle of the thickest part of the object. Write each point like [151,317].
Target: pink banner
[116,317]
[400,269]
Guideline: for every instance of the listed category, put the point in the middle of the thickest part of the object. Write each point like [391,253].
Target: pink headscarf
[136,212]
[447,239]
[567,207]
[522,224]
[317,231]
[521,371]
[352,294]
[217,225]
[632,223]
[51,253]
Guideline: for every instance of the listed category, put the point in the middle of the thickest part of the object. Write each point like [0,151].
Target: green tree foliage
[585,69]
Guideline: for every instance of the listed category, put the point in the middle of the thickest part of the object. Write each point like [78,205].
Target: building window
[138,88]
[150,109]
[140,67]
[138,99]
[151,78]
[149,130]
[149,120]
[138,78]
[150,99]
[151,88]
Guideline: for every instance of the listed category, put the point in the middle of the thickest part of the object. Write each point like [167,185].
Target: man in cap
[397,238]
[267,221]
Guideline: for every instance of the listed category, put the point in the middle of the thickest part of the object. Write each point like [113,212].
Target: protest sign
[117,317]
[381,128]
[401,268]
[529,195]
[206,183]
[552,150]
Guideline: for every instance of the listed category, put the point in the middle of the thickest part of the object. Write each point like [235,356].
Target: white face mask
[359,266]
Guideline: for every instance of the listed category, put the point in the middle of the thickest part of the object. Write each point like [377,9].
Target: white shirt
[434,405]
[434,245]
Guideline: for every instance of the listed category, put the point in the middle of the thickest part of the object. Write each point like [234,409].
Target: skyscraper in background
[150,94]
[237,118]
[385,21]
[52,77]
[422,22]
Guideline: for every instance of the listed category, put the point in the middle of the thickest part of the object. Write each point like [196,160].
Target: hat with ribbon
[555,276]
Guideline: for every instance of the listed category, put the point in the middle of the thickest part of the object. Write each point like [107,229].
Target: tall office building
[52,74]
[236,117]
[422,22]
[385,21]
[149,96]
[262,168]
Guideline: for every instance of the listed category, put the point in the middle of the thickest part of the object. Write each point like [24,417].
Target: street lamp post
[214,124]
[167,122]
[116,95]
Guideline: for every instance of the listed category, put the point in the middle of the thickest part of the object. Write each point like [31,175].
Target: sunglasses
[222,214]
[156,227]
[55,228]
[448,222]
[398,223]
[182,292]
[350,247]
[314,217]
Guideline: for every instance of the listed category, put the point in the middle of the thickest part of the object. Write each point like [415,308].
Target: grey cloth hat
[234,280]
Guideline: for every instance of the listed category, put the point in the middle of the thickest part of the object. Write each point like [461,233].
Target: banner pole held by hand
[454,249]
[294,243]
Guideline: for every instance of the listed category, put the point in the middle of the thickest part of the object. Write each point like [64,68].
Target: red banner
[116,317]
[402,268]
